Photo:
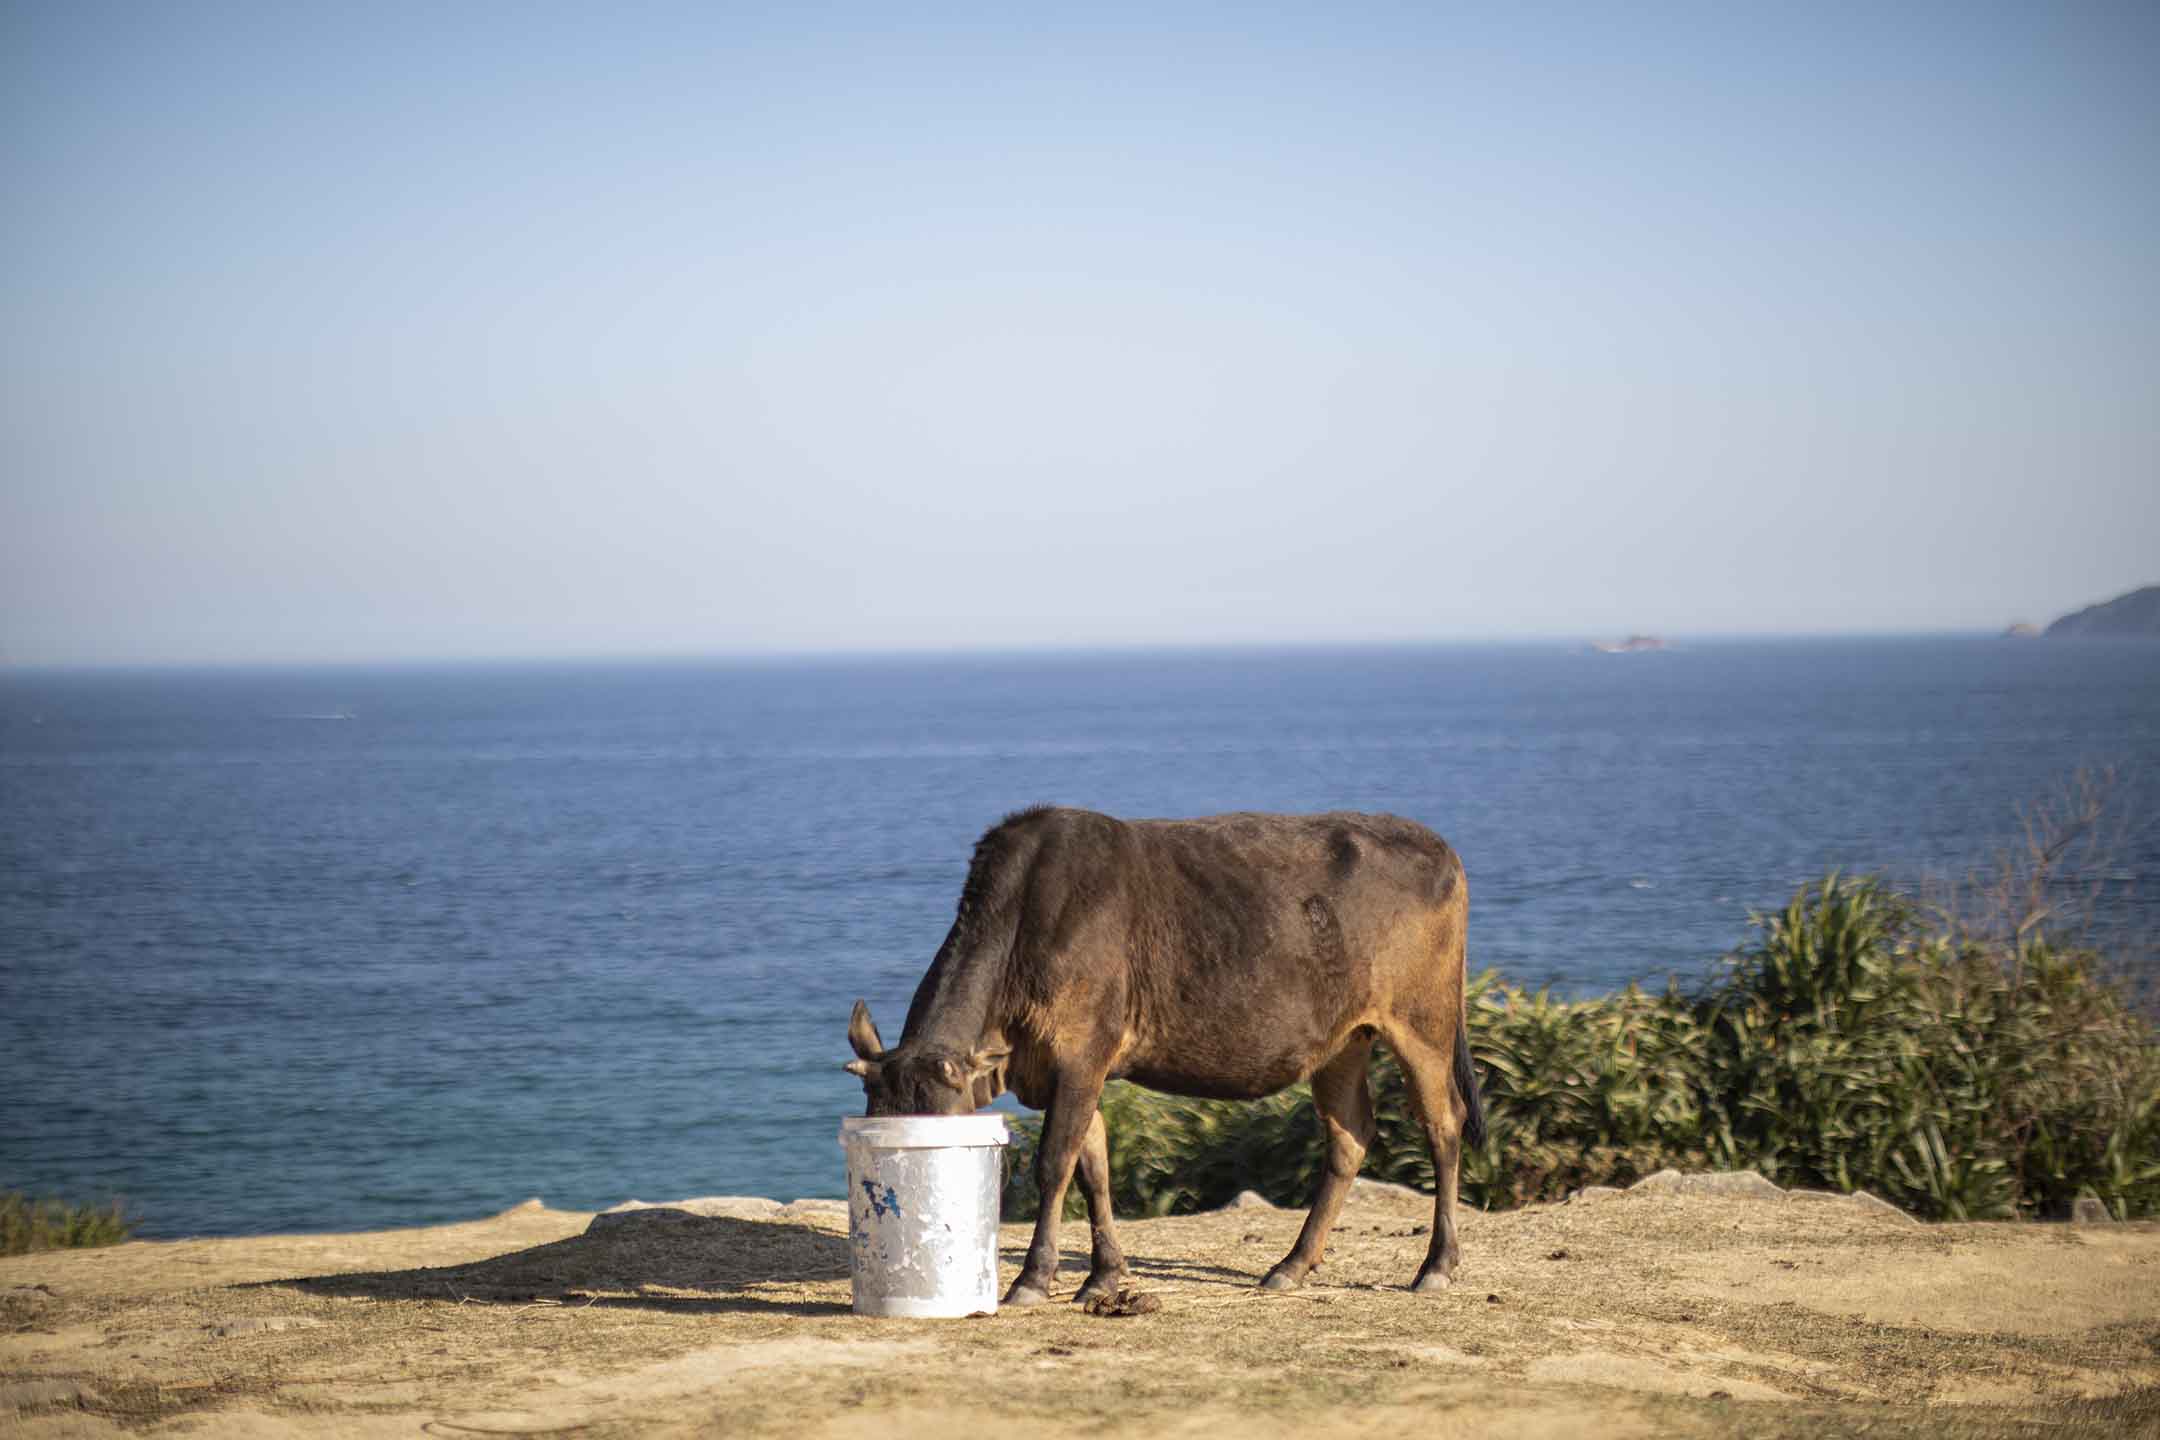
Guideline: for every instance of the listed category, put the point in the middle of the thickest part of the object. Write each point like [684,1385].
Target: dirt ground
[1641,1313]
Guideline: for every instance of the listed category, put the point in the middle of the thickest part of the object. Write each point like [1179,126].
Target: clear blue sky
[379,330]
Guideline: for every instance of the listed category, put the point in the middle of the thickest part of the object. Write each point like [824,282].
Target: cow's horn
[862,1034]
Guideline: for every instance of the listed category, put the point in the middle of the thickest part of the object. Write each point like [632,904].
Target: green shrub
[1854,1044]
[27,1225]
[1854,1048]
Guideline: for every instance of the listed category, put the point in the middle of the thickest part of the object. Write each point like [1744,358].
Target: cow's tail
[1466,1081]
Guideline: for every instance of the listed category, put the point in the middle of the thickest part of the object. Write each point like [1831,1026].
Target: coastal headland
[1699,1305]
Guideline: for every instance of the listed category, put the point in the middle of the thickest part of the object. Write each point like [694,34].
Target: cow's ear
[986,1074]
[862,1034]
[864,1070]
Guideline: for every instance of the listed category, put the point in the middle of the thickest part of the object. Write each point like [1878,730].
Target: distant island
[2137,613]
[1629,646]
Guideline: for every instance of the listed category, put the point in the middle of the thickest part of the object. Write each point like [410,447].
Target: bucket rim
[925,1132]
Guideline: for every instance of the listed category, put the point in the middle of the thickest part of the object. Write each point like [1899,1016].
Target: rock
[1739,1184]
[1877,1205]
[804,1209]
[724,1207]
[1859,1198]
[1363,1189]
[1250,1200]
[2090,1210]
[1590,1193]
[1734,1184]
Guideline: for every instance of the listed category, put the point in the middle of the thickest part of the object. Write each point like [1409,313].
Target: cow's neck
[953,1007]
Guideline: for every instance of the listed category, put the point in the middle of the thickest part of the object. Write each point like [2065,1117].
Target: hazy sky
[369,330]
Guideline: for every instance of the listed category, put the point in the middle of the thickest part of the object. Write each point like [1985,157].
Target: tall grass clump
[1855,1047]
[1854,1043]
[27,1224]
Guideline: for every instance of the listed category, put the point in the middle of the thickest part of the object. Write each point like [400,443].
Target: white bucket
[923,1212]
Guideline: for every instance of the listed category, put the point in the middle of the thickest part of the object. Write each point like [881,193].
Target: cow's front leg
[1065,1127]
[1108,1268]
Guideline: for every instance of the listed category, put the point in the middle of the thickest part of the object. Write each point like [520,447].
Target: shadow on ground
[1074,1263]
[656,1258]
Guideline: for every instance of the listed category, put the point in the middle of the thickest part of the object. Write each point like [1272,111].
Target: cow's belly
[1216,1085]
[1217,1067]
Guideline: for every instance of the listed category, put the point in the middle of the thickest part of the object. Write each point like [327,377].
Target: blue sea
[333,948]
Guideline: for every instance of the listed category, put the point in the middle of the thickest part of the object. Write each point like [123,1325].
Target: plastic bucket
[923,1212]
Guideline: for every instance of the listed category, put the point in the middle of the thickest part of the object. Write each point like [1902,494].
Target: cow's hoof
[1432,1282]
[1021,1296]
[1098,1286]
[1281,1278]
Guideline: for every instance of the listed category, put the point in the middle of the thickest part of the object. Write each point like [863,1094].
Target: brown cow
[1225,957]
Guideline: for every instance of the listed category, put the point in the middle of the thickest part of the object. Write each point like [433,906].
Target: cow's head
[918,1081]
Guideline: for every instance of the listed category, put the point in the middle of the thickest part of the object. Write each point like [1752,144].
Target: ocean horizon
[1572,640]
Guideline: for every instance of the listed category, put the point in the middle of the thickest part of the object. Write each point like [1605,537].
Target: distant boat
[1634,644]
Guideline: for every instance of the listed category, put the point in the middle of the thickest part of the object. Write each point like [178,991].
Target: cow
[1226,957]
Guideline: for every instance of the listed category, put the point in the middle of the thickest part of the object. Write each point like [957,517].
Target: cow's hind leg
[1429,1069]
[1342,1094]
[1065,1129]
[1109,1261]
